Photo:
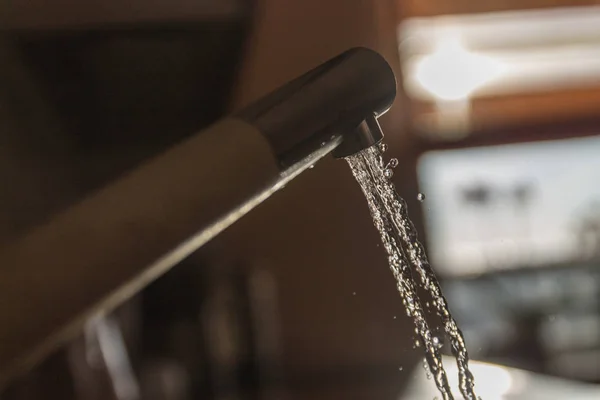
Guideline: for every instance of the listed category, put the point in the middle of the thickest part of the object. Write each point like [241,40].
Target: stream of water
[409,265]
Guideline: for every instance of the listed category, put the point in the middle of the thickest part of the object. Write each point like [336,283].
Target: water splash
[393,163]
[405,255]
[401,270]
[397,209]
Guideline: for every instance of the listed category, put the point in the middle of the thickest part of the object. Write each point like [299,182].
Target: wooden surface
[527,109]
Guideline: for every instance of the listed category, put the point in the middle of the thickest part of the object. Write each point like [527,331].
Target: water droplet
[394,317]
[323,144]
[400,369]
[393,163]
[353,293]
[421,197]
[311,166]
[417,343]
[388,173]
[383,147]
[436,342]
[426,368]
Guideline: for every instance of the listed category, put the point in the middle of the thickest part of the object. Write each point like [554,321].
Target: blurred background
[496,123]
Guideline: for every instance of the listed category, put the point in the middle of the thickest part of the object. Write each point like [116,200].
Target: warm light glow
[492,382]
[452,72]
[495,382]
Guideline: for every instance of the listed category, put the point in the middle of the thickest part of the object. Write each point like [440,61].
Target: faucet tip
[366,134]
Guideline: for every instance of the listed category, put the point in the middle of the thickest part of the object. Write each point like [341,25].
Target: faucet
[342,97]
[100,252]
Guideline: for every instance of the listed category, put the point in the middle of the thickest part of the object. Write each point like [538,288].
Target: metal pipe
[102,251]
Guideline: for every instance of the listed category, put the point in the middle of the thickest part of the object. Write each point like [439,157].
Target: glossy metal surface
[332,99]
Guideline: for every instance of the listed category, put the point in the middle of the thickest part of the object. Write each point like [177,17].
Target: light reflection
[451,72]
[449,58]
[495,382]
[479,222]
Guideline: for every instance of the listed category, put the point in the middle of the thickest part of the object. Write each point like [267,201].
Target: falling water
[407,256]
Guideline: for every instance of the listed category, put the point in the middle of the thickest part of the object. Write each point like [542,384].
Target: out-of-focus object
[432,8]
[69,14]
[472,72]
[495,382]
[514,230]
[100,363]
[512,206]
